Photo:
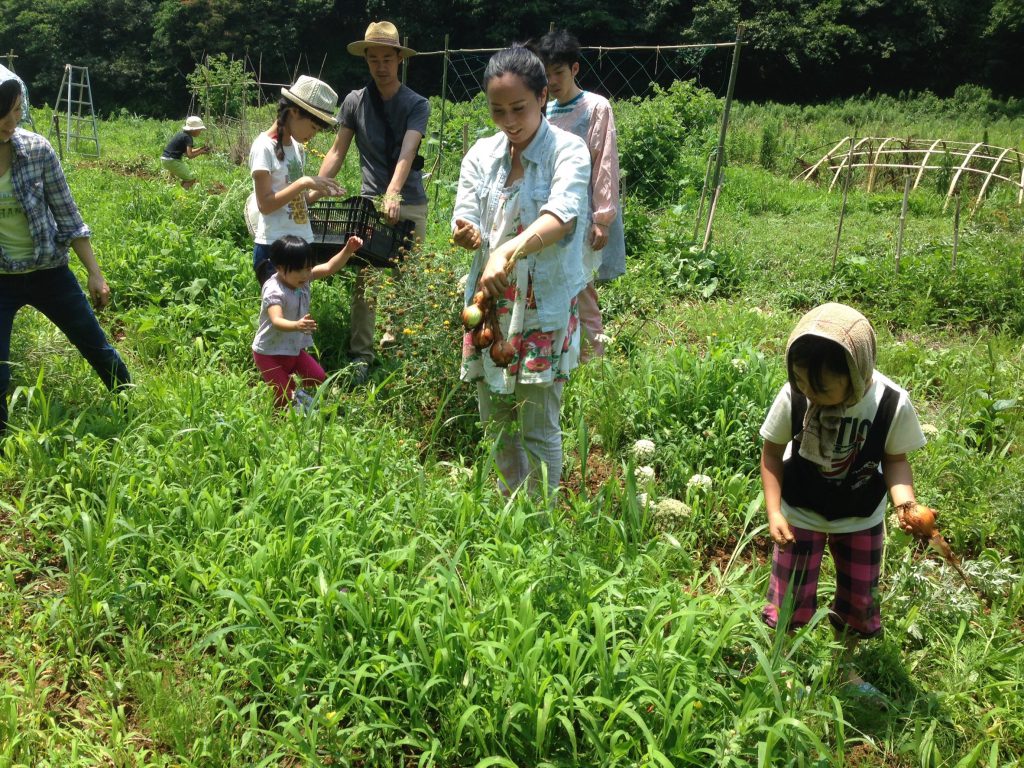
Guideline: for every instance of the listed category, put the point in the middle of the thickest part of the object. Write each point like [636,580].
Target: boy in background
[589,116]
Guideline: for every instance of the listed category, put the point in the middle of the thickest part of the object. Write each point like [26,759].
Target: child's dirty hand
[306,324]
[780,531]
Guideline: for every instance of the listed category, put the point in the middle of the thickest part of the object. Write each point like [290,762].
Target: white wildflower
[462,282]
[644,474]
[643,499]
[700,482]
[604,338]
[670,514]
[739,364]
[930,430]
[643,450]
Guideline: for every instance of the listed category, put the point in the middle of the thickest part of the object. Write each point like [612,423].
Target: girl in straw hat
[181,146]
[278,206]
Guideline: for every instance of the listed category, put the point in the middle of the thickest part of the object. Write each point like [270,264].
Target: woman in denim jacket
[38,222]
[520,194]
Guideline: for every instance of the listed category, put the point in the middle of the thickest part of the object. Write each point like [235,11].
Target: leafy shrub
[222,86]
[421,308]
[665,139]
[683,266]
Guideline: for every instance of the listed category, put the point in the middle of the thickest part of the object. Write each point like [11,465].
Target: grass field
[188,578]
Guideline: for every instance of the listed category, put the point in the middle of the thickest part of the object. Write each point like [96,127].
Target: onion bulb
[502,353]
[483,337]
[920,519]
[472,316]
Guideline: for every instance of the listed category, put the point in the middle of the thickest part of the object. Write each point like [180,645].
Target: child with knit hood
[835,445]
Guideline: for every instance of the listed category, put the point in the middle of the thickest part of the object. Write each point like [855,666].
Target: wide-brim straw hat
[380,33]
[194,123]
[314,96]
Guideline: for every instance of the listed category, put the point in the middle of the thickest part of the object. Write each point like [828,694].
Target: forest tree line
[139,52]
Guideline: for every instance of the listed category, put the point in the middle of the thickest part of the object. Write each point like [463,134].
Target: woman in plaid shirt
[38,222]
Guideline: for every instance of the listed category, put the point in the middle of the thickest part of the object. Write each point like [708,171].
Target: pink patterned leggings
[794,582]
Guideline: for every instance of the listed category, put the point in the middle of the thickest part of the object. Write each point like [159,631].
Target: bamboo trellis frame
[890,153]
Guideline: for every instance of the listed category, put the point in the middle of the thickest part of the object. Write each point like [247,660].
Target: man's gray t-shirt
[405,111]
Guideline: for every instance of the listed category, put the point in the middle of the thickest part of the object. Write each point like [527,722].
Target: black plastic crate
[335,221]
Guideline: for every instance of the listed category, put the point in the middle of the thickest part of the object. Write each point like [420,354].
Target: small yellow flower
[408,331]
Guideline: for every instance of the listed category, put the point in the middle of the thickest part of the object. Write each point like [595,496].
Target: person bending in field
[590,117]
[39,221]
[285,326]
[835,442]
[181,146]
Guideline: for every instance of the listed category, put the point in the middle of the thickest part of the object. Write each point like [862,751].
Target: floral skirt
[542,357]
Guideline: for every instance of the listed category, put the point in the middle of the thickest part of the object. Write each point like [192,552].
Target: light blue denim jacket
[556,178]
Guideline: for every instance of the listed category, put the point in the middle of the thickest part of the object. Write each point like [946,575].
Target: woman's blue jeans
[57,294]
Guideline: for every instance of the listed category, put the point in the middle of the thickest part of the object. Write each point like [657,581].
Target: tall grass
[189,578]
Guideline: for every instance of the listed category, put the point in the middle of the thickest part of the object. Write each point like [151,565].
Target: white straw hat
[194,123]
[314,96]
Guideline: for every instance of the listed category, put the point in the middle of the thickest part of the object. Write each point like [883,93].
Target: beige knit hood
[853,332]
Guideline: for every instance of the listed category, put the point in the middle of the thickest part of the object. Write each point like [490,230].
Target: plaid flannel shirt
[53,218]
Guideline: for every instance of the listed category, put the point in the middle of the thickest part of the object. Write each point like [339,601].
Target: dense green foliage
[139,53]
[188,578]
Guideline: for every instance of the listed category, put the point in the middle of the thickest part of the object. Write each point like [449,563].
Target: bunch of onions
[480,317]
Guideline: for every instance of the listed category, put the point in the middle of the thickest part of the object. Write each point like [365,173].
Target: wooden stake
[956,233]
[703,196]
[903,223]
[842,208]
[716,179]
[56,130]
[444,115]
[711,218]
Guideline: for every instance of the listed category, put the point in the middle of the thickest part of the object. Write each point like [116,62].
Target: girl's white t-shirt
[291,218]
[904,436]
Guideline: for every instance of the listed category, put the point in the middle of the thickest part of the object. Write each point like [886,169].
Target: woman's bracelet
[543,245]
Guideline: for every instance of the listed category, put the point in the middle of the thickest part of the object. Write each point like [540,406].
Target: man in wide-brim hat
[387,120]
